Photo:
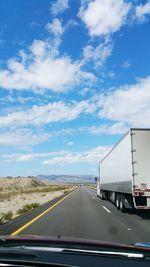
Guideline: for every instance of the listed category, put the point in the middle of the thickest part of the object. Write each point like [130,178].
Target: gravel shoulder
[18,201]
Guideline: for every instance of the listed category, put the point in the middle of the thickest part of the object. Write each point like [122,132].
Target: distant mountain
[21,183]
[68,178]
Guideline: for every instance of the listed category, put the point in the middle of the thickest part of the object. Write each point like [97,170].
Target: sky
[74,77]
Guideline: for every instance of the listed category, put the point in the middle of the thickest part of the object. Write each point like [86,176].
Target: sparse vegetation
[66,191]
[94,186]
[6,217]
[9,193]
[17,193]
[46,189]
[27,207]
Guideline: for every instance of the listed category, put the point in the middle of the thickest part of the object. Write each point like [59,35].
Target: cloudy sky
[74,77]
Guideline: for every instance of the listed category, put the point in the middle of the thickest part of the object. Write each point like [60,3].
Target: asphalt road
[83,215]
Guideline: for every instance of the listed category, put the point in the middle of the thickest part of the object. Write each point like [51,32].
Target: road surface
[82,215]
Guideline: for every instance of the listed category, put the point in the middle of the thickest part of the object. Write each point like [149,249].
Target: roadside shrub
[34,205]
[27,207]
[1,219]
[66,191]
[6,217]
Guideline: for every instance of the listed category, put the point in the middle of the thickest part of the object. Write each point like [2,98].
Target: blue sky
[74,77]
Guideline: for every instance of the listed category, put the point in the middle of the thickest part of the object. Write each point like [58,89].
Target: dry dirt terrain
[17,192]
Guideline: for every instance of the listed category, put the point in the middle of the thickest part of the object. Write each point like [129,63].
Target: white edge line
[106,209]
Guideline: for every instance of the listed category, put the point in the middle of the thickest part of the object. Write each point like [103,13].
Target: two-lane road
[83,215]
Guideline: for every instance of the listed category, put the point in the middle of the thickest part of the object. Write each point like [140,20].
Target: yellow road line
[39,216]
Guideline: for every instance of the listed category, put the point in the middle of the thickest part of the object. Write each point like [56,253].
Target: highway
[82,215]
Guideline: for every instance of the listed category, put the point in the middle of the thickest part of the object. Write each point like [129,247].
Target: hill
[68,178]
[20,183]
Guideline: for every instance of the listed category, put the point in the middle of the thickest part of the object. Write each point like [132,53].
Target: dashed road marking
[106,209]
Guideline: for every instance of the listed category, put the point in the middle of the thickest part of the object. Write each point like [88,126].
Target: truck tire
[122,206]
[118,201]
[102,195]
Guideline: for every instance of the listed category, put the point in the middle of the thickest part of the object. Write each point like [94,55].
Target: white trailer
[124,173]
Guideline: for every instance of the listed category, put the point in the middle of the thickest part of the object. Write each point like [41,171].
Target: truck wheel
[118,201]
[122,206]
[101,195]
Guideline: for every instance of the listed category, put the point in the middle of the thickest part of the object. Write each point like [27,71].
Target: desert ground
[19,192]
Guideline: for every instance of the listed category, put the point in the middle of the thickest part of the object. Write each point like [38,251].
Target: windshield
[74,119]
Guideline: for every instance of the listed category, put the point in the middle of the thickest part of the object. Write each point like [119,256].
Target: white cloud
[55,27]
[20,99]
[129,104]
[41,67]
[92,156]
[38,49]
[71,23]
[7,99]
[17,157]
[56,30]
[104,17]
[59,6]
[116,128]
[64,132]
[22,138]
[53,112]
[70,143]
[142,11]
[46,72]
[126,64]
[84,91]
[111,74]
[98,54]
[30,157]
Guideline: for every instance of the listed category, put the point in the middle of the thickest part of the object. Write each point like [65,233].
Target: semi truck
[124,173]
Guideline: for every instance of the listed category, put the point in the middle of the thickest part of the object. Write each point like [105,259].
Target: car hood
[73,242]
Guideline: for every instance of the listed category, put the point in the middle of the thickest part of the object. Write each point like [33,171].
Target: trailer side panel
[116,168]
[141,159]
